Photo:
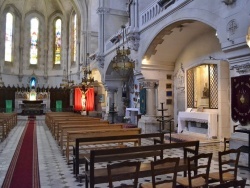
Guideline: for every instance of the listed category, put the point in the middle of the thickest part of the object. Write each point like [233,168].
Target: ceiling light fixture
[122,63]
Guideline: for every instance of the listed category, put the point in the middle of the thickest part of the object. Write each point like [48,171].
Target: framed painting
[169,93]
[169,77]
[169,101]
[168,86]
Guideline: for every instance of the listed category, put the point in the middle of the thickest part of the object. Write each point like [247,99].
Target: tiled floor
[54,171]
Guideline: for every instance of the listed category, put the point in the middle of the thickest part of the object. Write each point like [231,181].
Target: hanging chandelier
[66,82]
[122,63]
[87,79]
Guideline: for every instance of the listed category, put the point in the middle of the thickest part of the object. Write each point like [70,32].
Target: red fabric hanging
[90,99]
[78,99]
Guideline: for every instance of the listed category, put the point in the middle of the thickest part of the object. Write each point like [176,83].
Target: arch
[203,16]
[57,41]
[10,8]
[41,36]
[51,37]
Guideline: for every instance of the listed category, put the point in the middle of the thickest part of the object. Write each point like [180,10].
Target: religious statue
[205,92]
[83,101]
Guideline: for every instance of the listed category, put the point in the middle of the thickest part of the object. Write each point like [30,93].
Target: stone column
[150,86]
[148,122]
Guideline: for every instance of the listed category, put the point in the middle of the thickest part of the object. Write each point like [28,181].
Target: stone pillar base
[148,124]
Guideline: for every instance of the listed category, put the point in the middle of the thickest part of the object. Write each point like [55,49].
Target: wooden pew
[96,176]
[56,121]
[79,158]
[72,135]
[51,116]
[76,123]
[7,122]
[68,128]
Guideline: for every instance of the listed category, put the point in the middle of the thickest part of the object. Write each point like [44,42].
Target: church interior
[80,78]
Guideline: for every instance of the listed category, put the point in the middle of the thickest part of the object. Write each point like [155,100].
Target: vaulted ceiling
[45,7]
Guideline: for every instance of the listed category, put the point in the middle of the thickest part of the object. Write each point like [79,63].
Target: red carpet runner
[23,171]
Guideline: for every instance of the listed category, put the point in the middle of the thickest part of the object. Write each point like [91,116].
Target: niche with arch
[202,86]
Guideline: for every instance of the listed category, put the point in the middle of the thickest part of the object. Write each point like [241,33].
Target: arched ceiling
[170,42]
[45,7]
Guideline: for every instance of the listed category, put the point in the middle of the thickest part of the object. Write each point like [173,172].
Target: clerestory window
[34,37]
[58,41]
[9,38]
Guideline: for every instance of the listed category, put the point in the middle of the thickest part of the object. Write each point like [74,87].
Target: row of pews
[66,127]
[90,141]
[7,122]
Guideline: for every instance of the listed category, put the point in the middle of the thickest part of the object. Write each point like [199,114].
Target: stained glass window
[8,37]
[58,41]
[73,37]
[34,26]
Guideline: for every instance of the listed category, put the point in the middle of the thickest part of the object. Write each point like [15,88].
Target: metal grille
[190,88]
[213,87]
[213,71]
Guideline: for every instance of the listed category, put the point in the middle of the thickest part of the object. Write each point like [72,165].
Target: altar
[203,117]
[25,104]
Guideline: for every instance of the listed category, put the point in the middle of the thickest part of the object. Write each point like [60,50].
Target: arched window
[73,37]
[34,35]
[58,41]
[8,37]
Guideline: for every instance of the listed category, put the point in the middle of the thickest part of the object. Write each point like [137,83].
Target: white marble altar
[202,117]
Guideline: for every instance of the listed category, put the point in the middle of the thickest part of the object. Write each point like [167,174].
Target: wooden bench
[7,122]
[49,116]
[54,124]
[74,124]
[79,158]
[96,176]
[72,135]
[65,129]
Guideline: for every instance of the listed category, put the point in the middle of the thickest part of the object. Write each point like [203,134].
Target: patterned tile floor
[54,171]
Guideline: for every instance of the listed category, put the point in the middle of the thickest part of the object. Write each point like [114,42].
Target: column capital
[150,84]
[111,89]
[100,59]
[134,40]
[103,10]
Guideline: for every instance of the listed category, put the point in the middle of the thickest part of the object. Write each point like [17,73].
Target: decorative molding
[100,59]
[133,40]
[102,10]
[241,69]
[232,26]
[150,84]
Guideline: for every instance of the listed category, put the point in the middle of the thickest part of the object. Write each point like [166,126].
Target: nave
[53,169]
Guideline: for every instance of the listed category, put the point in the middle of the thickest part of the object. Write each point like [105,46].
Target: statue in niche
[205,92]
